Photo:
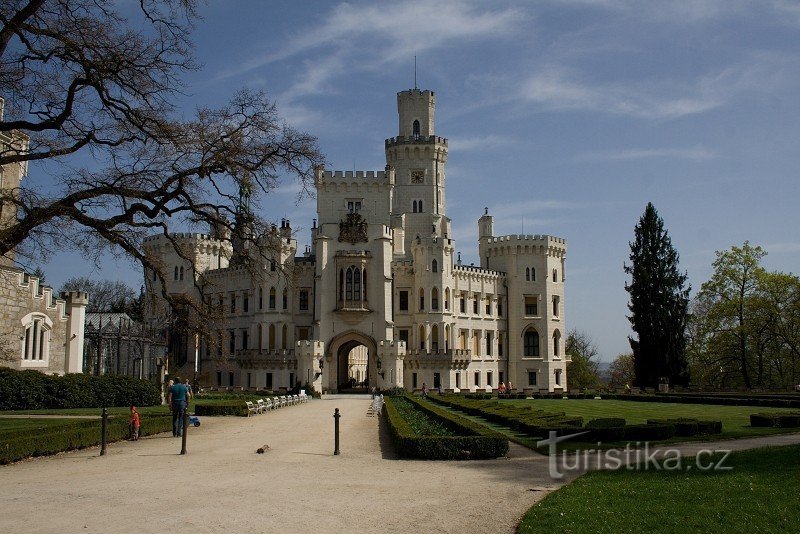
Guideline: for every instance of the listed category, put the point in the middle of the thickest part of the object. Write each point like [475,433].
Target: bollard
[336,416]
[103,425]
[185,429]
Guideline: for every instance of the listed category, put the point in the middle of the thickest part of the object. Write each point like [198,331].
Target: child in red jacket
[134,424]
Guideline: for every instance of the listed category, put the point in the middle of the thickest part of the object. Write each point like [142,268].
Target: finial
[486,211]
[459,258]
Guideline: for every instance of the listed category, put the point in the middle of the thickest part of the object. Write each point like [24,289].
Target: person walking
[424,390]
[178,400]
[135,424]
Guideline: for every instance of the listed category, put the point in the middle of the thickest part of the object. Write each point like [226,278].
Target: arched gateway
[346,372]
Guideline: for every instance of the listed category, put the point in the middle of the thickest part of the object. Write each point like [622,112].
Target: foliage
[753,493]
[93,81]
[471,441]
[418,421]
[776,419]
[582,372]
[220,408]
[108,296]
[75,434]
[659,300]
[31,390]
[745,327]
[622,373]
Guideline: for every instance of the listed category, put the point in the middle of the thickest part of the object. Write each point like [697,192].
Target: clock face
[417,177]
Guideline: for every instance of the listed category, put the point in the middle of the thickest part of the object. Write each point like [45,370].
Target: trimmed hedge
[605,429]
[75,435]
[32,390]
[649,432]
[782,420]
[220,408]
[473,441]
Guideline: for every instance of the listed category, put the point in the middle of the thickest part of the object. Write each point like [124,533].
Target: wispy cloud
[697,153]
[484,142]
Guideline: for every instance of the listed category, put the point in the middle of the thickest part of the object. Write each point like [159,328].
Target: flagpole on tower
[415,72]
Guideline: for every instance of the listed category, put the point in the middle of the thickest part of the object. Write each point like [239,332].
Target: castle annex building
[381,298]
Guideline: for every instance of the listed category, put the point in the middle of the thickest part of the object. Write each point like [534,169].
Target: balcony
[259,359]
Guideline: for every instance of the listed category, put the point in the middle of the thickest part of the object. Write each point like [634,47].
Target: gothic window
[558,377]
[403,305]
[260,337]
[527,274]
[285,299]
[435,338]
[531,343]
[364,285]
[245,339]
[447,298]
[421,299]
[231,342]
[271,337]
[415,128]
[435,266]
[181,276]
[260,298]
[475,305]
[555,305]
[356,283]
[176,272]
[414,206]
[434,299]
[421,337]
[245,303]
[555,275]
[531,306]
[341,285]
[284,337]
[36,342]
[556,342]
[303,300]
[488,305]
[273,265]
[420,206]
[272,298]
[533,274]
[233,302]
[353,206]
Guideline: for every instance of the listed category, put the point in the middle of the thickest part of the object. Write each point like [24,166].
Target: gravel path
[297,486]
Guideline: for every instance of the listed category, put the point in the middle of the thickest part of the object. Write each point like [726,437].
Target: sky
[563,118]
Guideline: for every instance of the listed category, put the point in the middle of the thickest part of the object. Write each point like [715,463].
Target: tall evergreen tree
[659,301]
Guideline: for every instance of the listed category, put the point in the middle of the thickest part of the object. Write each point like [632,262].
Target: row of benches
[273,403]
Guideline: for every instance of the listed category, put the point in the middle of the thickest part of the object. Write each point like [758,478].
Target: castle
[381,299]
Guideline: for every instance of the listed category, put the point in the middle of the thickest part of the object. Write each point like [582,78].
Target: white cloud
[697,153]
[485,142]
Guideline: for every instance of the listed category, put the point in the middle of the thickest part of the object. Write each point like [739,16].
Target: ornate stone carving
[353,229]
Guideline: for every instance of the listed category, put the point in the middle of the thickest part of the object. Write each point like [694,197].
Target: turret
[416,109]
[76,302]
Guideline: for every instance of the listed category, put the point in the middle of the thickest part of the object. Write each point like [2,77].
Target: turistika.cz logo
[638,456]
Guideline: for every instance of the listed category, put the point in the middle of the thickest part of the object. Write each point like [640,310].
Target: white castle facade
[381,298]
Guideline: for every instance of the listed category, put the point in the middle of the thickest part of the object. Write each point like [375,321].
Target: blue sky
[569,114]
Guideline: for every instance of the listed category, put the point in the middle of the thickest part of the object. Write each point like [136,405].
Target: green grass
[735,419]
[418,421]
[757,495]
[15,425]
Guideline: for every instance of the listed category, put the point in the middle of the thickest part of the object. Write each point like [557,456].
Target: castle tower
[11,176]
[418,157]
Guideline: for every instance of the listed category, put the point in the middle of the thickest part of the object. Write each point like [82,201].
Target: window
[291,380]
[414,206]
[463,304]
[488,306]
[260,298]
[415,129]
[435,299]
[403,301]
[233,302]
[36,342]
[269,381]
[527,274]
[437,380]
[181,276]
[231,342]
[353,206]
[477,378]
[285,302]
[475,305]
[230,379]
[248,379]
[273,266]
[556,341]
[303,300]
[500,346]
[499,308]
[531,306]
[531,378]
[488,343]
[403,336]
[421,299]
[176,273]
[272,298]
[555,305]
[421,337]
[458,380]
[447,298]
[302,334]
[531,343]
[500,377]
[155,275]
[555,275]
[245,339]
[489,378]
[219,348]
[558,377]
[435,266]
[260,337]
[413,380]
[219,378]
[245,303]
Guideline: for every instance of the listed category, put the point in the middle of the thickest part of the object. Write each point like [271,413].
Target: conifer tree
[659,300]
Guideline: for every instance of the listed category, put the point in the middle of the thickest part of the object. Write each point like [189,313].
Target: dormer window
[416,129]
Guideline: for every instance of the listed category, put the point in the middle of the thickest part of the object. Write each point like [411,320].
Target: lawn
[735,419]
[758,495]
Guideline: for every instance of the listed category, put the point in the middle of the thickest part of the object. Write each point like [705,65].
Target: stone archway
[338,350]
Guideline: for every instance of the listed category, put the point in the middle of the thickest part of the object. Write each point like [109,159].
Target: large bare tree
[86,82]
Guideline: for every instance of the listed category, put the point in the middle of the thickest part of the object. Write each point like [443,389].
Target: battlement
[527,237]
[350,175]
[182,236]
[477,270]
[415,140]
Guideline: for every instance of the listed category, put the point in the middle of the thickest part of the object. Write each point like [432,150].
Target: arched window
[415,128]
[556,342]
[341,284]
[356,283]
[271,337]
[272,298]
[285,299]
[272,265]
[260,337]
[527,274]
[435,266]
[36,342]
[414,206]
[446,337]
[176,272]
[531,343]
[284,337]
[349,284]
[420,206]
[555,275]
[421,337]
[421,299]
[447,298]
[181,273]
[435,338]
[434,299]
[364,285]
[533,274]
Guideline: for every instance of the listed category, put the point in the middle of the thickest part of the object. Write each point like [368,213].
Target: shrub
[763,419]
[76,434]
[606,422]
[654,432]
[474,441]
[790,420]
[220,408]
[710,427]
[32,390]
[684,427]
[605,429]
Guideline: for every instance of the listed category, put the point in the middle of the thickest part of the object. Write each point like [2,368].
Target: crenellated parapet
[466,272]
[524,244]
[336,180]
